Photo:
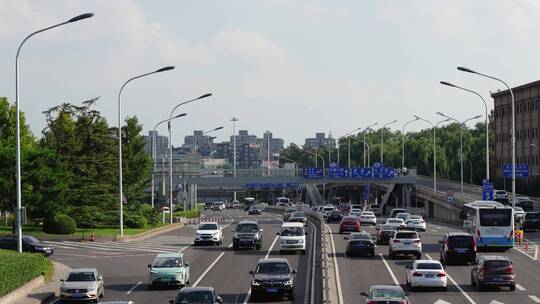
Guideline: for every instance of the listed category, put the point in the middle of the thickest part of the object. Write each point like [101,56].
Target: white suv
[208,232]
[405,242]
[292,237]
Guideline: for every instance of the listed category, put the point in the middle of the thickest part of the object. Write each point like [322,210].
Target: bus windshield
[495,217]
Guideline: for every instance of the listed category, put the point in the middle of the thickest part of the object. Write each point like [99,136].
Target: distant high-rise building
[275,145]
[162,144]
[203,143]
[321,140]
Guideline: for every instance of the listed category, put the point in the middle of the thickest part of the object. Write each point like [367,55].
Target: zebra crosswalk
[155,245]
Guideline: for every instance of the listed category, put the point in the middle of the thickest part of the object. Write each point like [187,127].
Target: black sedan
[531,221]
[334,216]
[360,243]
[272,277]
[254,210]
[29,244]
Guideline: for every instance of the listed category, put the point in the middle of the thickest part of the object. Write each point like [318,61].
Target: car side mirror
[305,233]
[260,230]
[186,265]
[363,294]
[171,301]
[277,233]
[219,299]
[251,272]
[100,278]
[293,272]
[377,228]
[345,238]
[149,266]
[373,238]
[62,280]
[440,242]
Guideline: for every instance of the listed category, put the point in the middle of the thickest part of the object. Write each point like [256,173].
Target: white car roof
[427,261]
[285,225]
[202,223]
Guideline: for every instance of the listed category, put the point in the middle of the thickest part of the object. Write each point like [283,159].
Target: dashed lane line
[465,294]
[210,267]
[396,282]
[518,286]
[133,288]
[336,267]
[534,298]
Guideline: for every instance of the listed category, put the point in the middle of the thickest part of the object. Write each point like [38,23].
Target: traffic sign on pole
[522,170]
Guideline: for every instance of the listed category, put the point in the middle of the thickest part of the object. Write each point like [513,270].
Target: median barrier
[147,234]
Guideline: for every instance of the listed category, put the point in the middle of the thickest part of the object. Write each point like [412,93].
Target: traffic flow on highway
[236,255]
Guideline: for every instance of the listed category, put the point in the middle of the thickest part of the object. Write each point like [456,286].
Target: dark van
[457,247]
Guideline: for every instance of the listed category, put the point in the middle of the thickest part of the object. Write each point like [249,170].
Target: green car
[168,269]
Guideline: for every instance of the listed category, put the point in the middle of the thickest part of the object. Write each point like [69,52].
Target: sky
[294,67]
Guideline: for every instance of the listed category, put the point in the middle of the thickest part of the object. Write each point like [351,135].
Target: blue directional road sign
[366,192]
[336,172]
[313,172]
[361,172]
[522,170]
[487,190]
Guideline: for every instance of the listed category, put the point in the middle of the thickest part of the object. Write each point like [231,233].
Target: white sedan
[367,217]
[418,225]
[355,213]
[426,273]
[395,222]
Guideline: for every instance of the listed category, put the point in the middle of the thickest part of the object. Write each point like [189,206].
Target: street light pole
[382,139]
[487,122]
[154,156]
[268,152]
[120,185]
[205,132]
[171,156]
[461,125]
[18,125]
[403,141]
[434,126]
[234,120]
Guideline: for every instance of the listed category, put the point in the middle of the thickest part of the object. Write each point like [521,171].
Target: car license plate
[77,295]
[497,279]
[461,250]
[407,243]
[359,245]
[271,290]
[430,275]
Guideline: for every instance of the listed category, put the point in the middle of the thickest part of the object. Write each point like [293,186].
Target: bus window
[495,217]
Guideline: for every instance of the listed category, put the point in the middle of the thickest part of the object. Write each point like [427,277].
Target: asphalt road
[124,265]
[358,273]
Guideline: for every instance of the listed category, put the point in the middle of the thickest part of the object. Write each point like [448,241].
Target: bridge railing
[209,172]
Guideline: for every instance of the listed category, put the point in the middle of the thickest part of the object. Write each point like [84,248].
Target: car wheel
[235,247]
[513,287]
[258,246]
[373,253]
[291,296]
[392,255]
[445,288]
[479,286]
[150,287]
[418,256]
[303,251]
[340,232]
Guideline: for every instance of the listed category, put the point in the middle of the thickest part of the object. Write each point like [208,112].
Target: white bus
[283,201]
[491,223]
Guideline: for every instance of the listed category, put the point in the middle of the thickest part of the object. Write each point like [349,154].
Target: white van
[292,237]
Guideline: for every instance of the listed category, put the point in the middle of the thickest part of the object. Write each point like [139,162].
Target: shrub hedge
[59,224]
[18,269]
[188,214]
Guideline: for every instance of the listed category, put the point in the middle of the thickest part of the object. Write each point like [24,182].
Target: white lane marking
[440,301]
[209,268]
[534,298]
[495,302]
[133,288]
[248,295]
[466,295]
[534,258]
[336,267]
[433,230]
[313,257]
[396,282]
[520,287]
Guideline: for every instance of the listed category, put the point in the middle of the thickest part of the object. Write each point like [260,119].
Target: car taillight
[417,241]
[396,241]
[478,234]
[416,274]
[482,269]
[441,274]
[509,269]
[446,245]
[474,244]
[372,302]
[403,302]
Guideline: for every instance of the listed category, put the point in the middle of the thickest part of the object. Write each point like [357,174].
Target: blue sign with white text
[361,172]
[522,170]
[313,172]
[487,190]
[336,172]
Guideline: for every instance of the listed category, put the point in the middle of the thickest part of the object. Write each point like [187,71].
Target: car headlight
[215,233]
[288,283]
[94,288]
[63,288]
[255,283]
[300,241]
[153,272]
[283,241]
[256,235]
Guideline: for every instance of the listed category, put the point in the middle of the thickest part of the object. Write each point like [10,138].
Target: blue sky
[294,67]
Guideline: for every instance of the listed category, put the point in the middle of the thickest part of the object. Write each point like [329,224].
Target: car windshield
[495,217]
[247,228]
[497,263]
[292,231]
[519,209]
[388,228]
[196,297]
[87,276]
[406,235]
[298,214]
[30,239]
[360,236]
[162,262]
[428,266]
[532,215]
[208,227]
[416,217]
[387,293]
[335,213]
[273,268]
[414,222]
[395,221]
[328,208]
[461,241]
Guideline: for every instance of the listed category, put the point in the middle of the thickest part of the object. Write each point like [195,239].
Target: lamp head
[446,83]
[417,118]
[180,115]
[81,17]
[163,69]
[442,114]
[218,128]
[477,116]
[464,69]
[206,95]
